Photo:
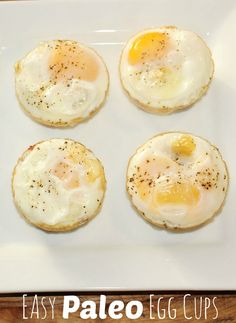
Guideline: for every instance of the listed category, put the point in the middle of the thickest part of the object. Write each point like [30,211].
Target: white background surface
[118,249]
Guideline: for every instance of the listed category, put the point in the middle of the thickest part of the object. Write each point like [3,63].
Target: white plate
[118,250]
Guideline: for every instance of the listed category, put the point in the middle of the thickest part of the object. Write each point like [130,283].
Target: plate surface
[118,250]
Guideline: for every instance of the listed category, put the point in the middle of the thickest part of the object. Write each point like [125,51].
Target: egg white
[176,168]
[191,67]
[52,202]
[58,103]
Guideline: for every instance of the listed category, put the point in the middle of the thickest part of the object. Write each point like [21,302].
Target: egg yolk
[155,165]
[93,170]
[179,193]
[184,145]
[70,176]
[92,166]
[74,155]
[69,61]
[150,169]
[147,47]
[144,190]
[64,172]
[163,74]
[148,189]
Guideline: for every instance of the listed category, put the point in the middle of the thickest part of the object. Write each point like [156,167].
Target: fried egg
[177,180]
[165,69]
[58,184]
[61,82]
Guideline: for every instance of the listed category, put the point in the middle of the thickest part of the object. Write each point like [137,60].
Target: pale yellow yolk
[179,193]
[69,61]
[144,190]
[92,166]
[163,74]
[93,169]
[156,169]
[166,77]
[168,80]
[75,155]
[70,176]
[64,172]
[149,170]
[175,194]
[147,47]
[185,145]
